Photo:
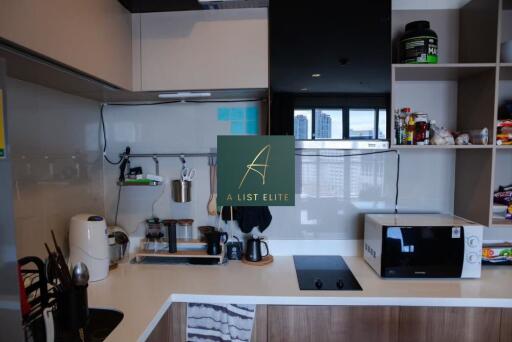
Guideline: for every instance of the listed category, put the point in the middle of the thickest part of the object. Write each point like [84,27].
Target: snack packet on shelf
[504,134]
[497,253]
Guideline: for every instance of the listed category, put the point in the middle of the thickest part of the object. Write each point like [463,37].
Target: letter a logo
[258,166]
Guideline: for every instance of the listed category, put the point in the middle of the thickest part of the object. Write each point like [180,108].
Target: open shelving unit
[463,92]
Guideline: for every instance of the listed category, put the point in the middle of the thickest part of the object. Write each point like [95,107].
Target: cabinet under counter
[144,293]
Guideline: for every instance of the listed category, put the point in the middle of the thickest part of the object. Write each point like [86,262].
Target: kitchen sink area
[100,324]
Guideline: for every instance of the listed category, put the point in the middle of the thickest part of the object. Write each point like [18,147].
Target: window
[361,124]
[328,124]
[302,124]
[340,123]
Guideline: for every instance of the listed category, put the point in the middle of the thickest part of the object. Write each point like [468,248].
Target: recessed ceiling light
[316,75]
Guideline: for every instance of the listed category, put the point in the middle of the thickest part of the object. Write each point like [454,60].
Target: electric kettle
[253,251]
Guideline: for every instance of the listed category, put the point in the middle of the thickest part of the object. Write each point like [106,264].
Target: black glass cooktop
[324,272]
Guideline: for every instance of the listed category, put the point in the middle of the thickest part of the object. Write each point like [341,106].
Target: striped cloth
[219,322]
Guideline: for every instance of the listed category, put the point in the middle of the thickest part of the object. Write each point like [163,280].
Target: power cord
[365,154]
[105,143]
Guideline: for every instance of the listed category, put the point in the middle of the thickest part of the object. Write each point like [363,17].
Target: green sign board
[256,170]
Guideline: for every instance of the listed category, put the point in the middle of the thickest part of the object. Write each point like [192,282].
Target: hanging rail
[163,155]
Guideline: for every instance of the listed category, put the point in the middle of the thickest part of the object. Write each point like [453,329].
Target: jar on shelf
[154,228]
[185,229]
[421,136]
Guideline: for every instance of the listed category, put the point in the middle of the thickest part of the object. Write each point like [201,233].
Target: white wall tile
[57,166]
[332,194]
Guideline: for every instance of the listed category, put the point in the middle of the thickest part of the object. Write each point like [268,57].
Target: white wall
[332,194]
[57,166]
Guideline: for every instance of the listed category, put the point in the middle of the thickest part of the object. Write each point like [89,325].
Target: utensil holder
[73,308]
[181,190]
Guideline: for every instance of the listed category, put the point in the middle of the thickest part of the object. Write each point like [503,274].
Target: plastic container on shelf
[421,129]
[154,228]
[418,44]
[185,230]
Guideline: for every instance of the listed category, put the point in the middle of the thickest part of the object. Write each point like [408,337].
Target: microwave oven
[423,246]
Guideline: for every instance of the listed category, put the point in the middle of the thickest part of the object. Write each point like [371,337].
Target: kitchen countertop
[145,292]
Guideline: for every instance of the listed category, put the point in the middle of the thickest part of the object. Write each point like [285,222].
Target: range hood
[144,6]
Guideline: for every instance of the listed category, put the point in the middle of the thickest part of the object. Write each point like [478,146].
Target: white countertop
[144,292]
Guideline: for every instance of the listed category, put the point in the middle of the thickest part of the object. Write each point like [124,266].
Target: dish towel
[219,322]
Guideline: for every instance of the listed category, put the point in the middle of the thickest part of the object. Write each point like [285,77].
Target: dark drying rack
[39,296]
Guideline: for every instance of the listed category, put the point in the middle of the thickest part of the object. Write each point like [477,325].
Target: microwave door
[433,252]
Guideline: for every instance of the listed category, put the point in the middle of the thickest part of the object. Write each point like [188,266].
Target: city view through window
[328,124]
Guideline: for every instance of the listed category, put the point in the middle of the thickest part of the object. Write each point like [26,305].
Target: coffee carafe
[253,251]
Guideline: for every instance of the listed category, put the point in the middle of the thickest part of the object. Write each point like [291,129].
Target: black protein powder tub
[418,44]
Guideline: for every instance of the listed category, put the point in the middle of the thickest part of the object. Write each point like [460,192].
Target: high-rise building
[300,127]
[323,125]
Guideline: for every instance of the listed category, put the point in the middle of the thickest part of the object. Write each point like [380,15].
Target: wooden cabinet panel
[426,324]
[179,322]
[506,325]
[162,331]
[282,323]
[203,50]
[332,323]
[93,36]
[260,328]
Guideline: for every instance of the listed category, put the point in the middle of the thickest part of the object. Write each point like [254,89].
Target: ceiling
[350,52]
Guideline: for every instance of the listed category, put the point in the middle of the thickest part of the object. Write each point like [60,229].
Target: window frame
[346,120]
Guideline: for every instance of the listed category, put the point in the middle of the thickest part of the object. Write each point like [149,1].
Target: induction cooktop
[324,272]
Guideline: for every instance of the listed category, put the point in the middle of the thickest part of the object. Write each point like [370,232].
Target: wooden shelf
[181,254]
[501,223]
[442,147]
[504,147]
[439,72]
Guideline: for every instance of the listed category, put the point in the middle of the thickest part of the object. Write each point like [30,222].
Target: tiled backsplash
[58,171]
[332,193]
[57,166]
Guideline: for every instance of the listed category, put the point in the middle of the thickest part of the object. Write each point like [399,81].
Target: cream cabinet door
[93,36]
[225,49]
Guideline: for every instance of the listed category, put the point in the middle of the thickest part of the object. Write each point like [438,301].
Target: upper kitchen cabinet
[191,50]
[91,36]
[330,72]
